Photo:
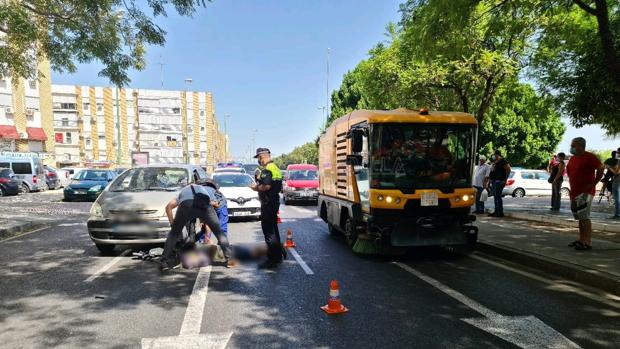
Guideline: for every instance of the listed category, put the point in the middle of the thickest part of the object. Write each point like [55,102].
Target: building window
[87,141]
[202,128]
[99,107]
[86,106]
[68,138]
[65,122]
[202,113]
[32,84]
[176,110]
[101,136]
[2,83]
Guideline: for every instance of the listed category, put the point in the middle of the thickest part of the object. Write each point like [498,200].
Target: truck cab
[399,177]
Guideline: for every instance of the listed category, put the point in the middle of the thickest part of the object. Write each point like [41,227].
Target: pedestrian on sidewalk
[556,179]
[585,170]
[193,201]
[481,182]
[498,177]
[613,169]
[268,187]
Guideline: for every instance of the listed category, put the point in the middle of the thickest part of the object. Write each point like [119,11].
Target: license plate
[241,213]
[429,199]
[81,191]
[138,228]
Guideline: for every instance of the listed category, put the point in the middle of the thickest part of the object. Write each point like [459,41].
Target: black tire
[518,193]
[106,249]
[564,192]
[349,232]
[333,231]
[24,189]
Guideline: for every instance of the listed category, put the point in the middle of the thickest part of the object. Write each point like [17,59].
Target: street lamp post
[187,81]
[118,130]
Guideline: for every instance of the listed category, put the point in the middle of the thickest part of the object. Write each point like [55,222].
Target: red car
[301,183]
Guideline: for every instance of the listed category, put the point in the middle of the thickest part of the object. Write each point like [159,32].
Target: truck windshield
[418,156]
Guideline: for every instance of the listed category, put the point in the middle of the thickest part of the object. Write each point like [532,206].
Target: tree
[572,63]
[523,125]
[307,153]
[114,32]
[347,97]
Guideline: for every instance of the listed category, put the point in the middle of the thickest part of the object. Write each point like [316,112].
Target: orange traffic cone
[289,239]
[279,219]
[333,302]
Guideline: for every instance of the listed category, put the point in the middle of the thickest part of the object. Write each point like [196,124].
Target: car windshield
[151,178]
[233,180]
[408,157]
[303,175]
[92,175]
[5,173]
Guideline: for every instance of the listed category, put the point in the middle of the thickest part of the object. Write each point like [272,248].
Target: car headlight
[97,187]
[95,210]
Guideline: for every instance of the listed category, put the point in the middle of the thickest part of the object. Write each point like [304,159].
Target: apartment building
[104,126]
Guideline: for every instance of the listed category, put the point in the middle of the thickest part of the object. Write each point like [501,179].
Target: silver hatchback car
[131,210]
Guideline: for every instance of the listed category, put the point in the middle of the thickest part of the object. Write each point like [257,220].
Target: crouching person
[192,202]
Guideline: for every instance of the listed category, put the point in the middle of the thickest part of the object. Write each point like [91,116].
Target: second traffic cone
[279,219]
[333,302]
[289,239]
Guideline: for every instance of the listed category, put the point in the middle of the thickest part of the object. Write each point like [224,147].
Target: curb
[19,229]
[561,220]
[590,277]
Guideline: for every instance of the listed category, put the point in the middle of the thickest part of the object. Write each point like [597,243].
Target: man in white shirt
[481,181]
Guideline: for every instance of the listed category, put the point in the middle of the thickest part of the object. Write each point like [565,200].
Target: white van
[27,168]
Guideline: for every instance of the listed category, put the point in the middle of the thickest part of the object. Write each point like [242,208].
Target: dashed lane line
[300,261]
[107,266]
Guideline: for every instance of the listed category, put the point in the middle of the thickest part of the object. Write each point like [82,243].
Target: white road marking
[71,224]
[196,305]
[300,261]
[593,294]
[24,234]
[107,266]
[522,331]
[298,209]
[189,337]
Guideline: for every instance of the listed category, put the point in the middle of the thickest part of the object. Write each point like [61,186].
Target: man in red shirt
[584,171]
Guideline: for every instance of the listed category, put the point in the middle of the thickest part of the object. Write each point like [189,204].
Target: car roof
[302,167]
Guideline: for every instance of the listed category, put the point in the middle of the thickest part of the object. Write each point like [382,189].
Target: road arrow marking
[526,332]
[189,336]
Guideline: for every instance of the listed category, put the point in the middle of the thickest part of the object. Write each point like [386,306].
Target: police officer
[269,185]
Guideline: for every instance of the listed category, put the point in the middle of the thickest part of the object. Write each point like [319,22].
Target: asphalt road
[56,291]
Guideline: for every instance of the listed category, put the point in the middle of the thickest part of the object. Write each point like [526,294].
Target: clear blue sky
[265,60]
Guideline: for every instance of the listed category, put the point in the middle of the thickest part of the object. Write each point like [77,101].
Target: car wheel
[105,250]
[565,191]
[518,193]
[24,189]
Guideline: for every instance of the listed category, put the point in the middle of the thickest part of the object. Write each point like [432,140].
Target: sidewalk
[543,244]
[13,227]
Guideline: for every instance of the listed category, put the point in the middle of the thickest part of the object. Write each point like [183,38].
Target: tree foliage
[113,32]
[304,154]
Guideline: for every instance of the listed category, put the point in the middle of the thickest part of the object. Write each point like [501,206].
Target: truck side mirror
[355,160]
[357,140]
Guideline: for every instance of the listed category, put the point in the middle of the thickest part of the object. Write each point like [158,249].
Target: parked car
[72,171]
[63,176]
[51,178]
[242,201]
[88,184]
[229,170]
[523,182]
[251,169]
[28,169]
[131,210]
[301,183]
[9,184]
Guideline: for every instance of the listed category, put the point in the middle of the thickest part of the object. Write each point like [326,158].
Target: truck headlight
[95,210]
[465,197]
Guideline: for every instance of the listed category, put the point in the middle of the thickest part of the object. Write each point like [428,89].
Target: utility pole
[161,70]
[118,130]
[188,81]
[327,89]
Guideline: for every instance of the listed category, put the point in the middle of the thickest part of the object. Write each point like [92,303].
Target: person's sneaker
[268,265]
[284,253]
[232,263]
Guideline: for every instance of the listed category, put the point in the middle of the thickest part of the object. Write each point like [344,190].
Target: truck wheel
[349,232]
[105,250]
[332,230]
